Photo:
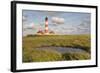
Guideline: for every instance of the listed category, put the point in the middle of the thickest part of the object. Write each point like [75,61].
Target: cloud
[84,25]
[32,26]
[24,18]
[28,26]
[57,20]
[72,29]
[50,13]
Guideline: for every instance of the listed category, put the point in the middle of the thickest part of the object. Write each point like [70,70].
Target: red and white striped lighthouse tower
[46,25]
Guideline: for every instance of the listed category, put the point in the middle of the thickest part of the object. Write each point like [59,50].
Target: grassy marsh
[31,54]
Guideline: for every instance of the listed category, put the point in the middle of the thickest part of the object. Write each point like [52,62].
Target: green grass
[31,54]
[80,41]
[76,56]
[41,56]
[35,55]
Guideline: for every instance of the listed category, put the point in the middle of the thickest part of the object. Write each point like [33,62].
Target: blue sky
[59,22]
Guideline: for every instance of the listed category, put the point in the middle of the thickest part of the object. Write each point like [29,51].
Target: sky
[60,22]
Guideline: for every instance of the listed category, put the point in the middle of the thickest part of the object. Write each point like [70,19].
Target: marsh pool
[63,49]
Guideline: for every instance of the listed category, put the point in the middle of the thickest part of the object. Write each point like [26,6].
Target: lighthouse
[46,25]
[46,31]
